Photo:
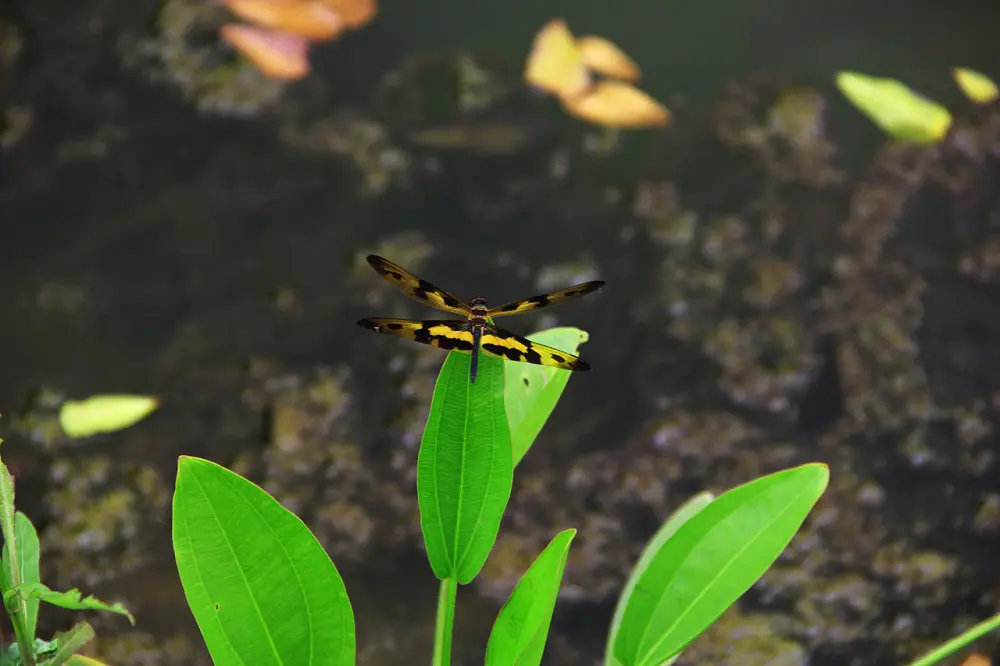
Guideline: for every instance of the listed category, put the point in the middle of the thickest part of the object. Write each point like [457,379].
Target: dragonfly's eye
[478,302]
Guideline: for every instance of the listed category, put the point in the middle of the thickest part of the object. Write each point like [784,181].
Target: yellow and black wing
[453,335]
[545,300]
[506,345]
[416,288]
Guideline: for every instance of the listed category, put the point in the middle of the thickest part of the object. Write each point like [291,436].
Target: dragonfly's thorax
[479,309]
[478,314]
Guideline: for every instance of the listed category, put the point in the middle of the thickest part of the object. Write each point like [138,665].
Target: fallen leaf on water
[307,18]
[603,56]
[977,87]
[555,64]
[618,104]
[278,55]
[897,110]
[976,659]
[561,65]
[354,13]
[104,413]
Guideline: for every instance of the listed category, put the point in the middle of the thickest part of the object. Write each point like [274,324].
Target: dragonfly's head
[478,303]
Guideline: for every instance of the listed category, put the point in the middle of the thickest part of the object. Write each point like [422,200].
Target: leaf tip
[976,86]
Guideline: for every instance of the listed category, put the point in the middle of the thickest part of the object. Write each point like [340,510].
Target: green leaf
[68,642]
[27,550]
[81,660]
[104,413]
[897,110]
[976,86]
[518,636]
[17,566]
[70,600]
[7,520]
[711,560]
[653,546]
[532,391]
[259,584]
[464,467]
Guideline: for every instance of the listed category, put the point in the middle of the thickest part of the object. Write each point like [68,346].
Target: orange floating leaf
[278,55]
[555,64]
[307,18]
[354,13]
[618,104]
[976,659]
[603,56]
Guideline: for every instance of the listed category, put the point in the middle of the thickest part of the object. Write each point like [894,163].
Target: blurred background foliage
[784,285]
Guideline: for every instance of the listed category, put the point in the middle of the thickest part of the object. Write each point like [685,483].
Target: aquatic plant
[23,592]
[262,588]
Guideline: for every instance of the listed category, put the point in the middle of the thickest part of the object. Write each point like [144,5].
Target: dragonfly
[476,332]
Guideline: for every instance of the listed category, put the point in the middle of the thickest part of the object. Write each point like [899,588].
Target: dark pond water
[213,260]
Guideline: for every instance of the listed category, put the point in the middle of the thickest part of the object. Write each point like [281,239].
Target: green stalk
[16,608]
[25,647]
[445,622]
[958,642]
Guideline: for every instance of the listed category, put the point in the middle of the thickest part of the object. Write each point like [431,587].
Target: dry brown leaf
[976,659]
[618,104]
[278,55]
[308,18]
[555,64]
[354,13]
[601,55]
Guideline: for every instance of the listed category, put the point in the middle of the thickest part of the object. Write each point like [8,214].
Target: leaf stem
[445,622]
[958,642]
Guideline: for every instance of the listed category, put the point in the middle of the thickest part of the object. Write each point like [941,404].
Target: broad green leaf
[104,413]
[976,86]
[70,600]
[518,636]
[259,584]
[27,550]
[464,467]
[897,110]
[653,546]
[532,391]
[711,560]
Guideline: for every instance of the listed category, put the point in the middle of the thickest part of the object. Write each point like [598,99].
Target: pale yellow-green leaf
[898,111]
[976,86]
[104,413]
[80,660]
